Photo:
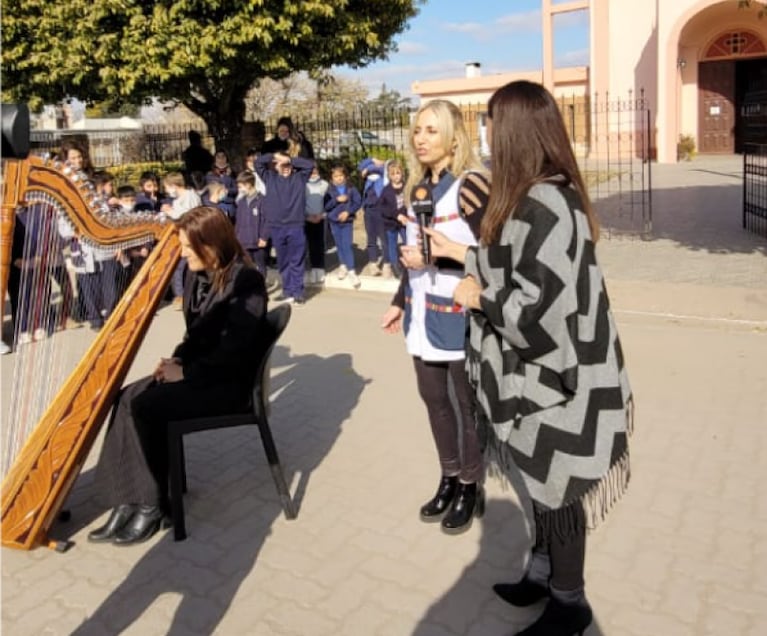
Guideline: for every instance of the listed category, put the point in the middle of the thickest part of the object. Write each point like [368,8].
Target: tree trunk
[225,118]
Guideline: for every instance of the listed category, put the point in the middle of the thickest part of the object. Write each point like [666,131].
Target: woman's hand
[467,293]
[402,218]
[443,246]
[392,320]
[169,370]
[411,257]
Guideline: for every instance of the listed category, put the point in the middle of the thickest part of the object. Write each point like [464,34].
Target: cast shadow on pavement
[698,218]
[470,607]
[231,502]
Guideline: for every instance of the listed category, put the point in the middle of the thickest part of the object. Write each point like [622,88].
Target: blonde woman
[442,160]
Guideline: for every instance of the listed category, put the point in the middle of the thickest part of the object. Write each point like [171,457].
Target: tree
[304,95]
[389,99]
[206,55]
[109,110]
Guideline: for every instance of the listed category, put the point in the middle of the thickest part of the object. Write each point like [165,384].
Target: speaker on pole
[15,126]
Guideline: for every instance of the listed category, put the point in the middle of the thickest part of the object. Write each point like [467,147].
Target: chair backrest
[276,321]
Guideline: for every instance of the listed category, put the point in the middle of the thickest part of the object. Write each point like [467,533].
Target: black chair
[256,413]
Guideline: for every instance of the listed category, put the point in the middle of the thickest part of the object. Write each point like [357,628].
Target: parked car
[364,138]
[347,141]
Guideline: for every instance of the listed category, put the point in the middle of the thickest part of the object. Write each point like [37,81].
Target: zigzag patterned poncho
[546,362]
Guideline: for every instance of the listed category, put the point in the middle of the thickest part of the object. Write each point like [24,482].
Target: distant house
[95,124]
[698,63]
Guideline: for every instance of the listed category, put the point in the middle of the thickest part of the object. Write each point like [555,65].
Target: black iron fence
[612,140]
[755,188]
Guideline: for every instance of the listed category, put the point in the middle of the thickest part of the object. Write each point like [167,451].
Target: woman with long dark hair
[544,354]
[209,373]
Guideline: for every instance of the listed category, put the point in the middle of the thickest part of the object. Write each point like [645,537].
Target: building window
[734,43]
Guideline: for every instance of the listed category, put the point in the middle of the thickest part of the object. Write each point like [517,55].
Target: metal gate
[755,188]
[613,143]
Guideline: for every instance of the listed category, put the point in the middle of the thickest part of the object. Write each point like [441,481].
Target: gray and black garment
[546,362]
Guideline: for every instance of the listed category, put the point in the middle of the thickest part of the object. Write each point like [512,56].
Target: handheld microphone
[422,201]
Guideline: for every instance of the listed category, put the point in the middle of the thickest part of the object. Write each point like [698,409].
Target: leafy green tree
[108,110]
[204,54]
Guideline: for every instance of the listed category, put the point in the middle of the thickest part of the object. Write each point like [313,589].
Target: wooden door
[716,99]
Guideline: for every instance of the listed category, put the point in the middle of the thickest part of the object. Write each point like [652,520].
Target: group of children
[279,202]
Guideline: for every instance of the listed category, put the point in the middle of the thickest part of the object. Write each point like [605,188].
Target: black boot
[120,516]
[468,503]
[144,524]
[523,593]
[534,584]
[434,509]
[561,619]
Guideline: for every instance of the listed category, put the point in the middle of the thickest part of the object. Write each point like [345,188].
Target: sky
[502,35]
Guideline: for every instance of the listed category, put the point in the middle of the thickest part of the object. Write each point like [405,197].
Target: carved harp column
[38,481]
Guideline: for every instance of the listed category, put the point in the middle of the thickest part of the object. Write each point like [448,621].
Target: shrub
[685,149]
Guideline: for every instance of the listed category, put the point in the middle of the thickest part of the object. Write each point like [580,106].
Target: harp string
[51,293]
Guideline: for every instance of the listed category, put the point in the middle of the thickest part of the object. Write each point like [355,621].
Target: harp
[42,473]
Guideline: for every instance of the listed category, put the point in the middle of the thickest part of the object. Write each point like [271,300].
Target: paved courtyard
[684,553]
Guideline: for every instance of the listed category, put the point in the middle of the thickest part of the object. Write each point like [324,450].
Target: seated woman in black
[211,370]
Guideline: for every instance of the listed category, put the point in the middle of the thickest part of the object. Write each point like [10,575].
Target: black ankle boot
[469,502]
[120,516]
[561,619]
[522,593]
[432,510]
[143,525]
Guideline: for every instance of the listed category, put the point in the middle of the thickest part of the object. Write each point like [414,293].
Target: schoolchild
[316,188]
[223,173]
[103,182]
[394,214]
[217,196]
[183,199]
[97,273]
[148,197]
[134,257]
[342,202]
[248,220]
[250,164]
[284,206]
[373,171]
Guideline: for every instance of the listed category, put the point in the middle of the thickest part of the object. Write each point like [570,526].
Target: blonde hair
[174,179]
[216,189]
[454,135]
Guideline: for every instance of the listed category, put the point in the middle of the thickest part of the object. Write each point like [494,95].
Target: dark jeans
[376,236]
[290,245]
[177,282]
[100,293]
[455,434]
[393,238]
[315,242]
[258,255]
[343,237]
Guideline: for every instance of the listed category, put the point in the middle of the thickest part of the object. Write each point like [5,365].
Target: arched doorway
[732,70]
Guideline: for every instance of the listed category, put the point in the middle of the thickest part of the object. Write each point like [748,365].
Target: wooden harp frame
[43,473]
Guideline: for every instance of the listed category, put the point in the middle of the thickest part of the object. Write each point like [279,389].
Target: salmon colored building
[700,64]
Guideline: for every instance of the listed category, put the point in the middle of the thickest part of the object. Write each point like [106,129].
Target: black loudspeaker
[15,121]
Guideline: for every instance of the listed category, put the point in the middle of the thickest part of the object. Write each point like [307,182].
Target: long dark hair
[211,236]
[529,144]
